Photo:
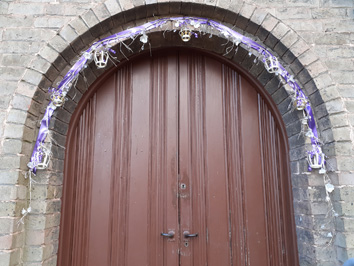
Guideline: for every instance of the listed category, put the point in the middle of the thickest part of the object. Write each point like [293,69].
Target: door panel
[183,143]
[99,200]
[256,238]
[204,204]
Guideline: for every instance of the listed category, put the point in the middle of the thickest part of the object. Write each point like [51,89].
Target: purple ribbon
[105,44]
[42,134]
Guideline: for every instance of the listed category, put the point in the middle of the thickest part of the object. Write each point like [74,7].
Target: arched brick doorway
[177,142]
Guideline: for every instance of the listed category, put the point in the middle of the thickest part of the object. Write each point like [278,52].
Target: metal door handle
[170,234]
[188,235]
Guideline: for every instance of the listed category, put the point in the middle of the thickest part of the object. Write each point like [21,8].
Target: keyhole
[186,244]
[183,186]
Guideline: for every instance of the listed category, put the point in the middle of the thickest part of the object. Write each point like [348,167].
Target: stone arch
[56,57]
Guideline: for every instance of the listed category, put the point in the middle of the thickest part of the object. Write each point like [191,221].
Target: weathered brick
[262,33]
[163,10]
[336,64]
[79,26]
[90,18]
[341,134]
[258,16]
[339,51]
[345,163]
[26,8]
[335,106]
[13,131]
[11,73]
[41,65]
[58,43]
[319,208]
[265,77]
[280,30]
[59,63]
[50,22]
[33,253]
[289,38]
[247,10]
[17,116]
[11,208]
[323,123]
[46,206]
[25,34]
[49,53]
[269,22]
[20,47]
[343,77]
[68,34]
[4,7]
[338,25]
[10,192]
[15,60]
[280,95]
[7,88]
[125,4]
[35,237]
[323,80]
[112,6]
[4,101]
[293,13]
[9,177]
[288,57]
[101,12]
[297,153]
[296,66]
[175,8]
[316,68]
[323,13]
[339,120]
[294,128]
[271,41]
[77,9]
[12,146]
[58,126]
[257,68]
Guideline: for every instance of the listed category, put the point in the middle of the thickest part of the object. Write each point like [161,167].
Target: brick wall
[39,39]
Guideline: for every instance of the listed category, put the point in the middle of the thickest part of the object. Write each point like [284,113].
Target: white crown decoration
[301,102]
[101,58]
[271,64]
[185,34]
[57,98]
[42,156]
[316,160]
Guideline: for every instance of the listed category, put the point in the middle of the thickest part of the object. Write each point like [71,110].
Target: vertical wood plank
[169,160]
[256,252]
[215,179]
[234,168]
[139,184]
[99,244]
[197,148]
[120,166]
[185,203]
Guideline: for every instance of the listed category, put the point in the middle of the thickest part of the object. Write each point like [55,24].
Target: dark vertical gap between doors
[178,160]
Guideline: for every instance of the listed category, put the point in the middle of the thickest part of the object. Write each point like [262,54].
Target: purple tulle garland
[101,51]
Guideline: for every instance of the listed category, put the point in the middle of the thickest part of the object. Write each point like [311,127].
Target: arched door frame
[271,84]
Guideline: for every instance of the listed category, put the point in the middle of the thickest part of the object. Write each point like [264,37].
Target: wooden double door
[176,160]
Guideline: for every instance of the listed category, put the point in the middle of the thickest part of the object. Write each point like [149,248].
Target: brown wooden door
[182,143]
